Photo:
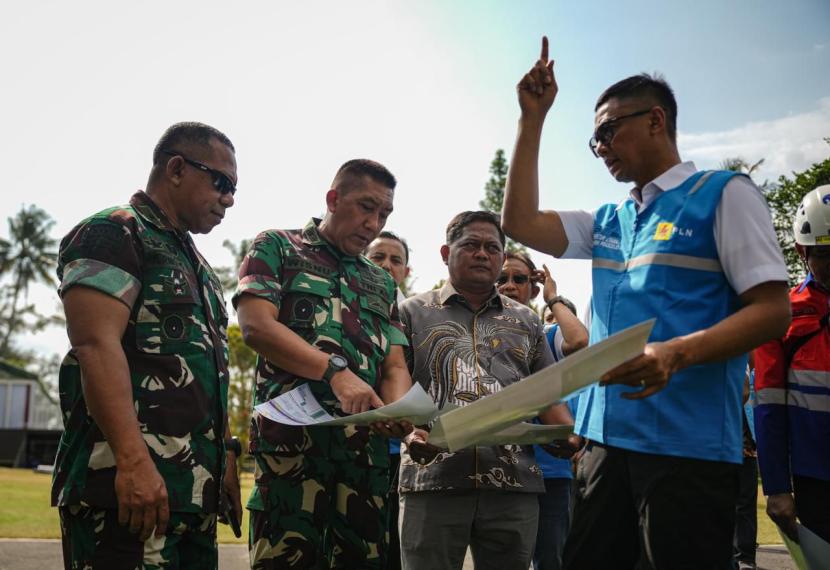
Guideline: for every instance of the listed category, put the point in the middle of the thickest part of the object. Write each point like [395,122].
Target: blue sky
[425,87]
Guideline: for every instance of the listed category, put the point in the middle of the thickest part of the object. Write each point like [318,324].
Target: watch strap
[553,301]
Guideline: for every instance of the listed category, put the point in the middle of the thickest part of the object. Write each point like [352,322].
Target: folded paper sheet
[473,423]
[795,551]
[523,433]
[299,407]
[815,549]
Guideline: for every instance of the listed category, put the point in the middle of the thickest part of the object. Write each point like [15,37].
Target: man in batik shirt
[144,387]
[467,342]
[319,313]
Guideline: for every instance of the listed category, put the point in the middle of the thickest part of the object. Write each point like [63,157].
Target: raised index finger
[544,55]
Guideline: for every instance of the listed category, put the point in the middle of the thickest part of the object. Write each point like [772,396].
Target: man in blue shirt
[697,252]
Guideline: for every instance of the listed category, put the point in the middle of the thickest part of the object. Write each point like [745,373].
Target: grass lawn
[25,511]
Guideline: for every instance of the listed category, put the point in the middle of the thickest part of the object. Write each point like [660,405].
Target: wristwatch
[233,446]
[553,301]
[336,364]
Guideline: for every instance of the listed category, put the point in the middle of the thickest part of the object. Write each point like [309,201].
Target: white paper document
[815,549]
[523,433]
[794,549]
[299,407]
[473,423]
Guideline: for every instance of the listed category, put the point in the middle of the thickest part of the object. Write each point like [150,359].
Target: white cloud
[787,144]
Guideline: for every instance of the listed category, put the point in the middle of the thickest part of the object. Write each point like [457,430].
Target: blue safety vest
[663,262]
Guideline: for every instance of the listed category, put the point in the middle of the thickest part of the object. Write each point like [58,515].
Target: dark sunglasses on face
[221,182]
[517,279]
[605,132]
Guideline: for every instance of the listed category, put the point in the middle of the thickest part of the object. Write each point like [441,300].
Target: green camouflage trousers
[92,540]
[316,513]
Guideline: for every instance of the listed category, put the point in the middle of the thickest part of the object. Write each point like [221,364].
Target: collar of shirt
[448,293]
[313,238]
[810,281]
[150,211]
[672,178]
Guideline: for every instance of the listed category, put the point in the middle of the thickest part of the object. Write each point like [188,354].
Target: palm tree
[738,164]
[28,256]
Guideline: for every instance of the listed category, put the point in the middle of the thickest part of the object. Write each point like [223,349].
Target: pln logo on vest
[665,230]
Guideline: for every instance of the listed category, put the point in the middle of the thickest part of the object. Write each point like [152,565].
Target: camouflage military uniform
[176,348]
[319,496]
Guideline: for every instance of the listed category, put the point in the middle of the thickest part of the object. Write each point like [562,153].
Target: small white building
[30,422]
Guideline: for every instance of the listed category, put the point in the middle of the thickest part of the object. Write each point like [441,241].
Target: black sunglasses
[517,279]
[221,182]
[605,132]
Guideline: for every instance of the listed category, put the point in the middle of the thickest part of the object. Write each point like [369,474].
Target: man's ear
[534,291]
[406,273]
[445,253]
[332,199]
[657,120]
[802,252]
[174,169]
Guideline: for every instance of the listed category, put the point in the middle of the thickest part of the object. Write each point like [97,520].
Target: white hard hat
[812,219]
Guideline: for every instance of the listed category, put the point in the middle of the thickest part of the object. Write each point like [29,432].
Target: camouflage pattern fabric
[93,539]
[176,348]
[340,304]
[299,495]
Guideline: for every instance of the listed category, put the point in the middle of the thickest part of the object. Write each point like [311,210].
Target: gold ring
[643,382]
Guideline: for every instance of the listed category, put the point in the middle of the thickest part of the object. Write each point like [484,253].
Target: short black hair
[456,226]
[644,85]
[386,234]
[521,256]
[350,175]
[189,132]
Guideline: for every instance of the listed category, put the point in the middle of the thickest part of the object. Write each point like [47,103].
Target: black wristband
[233,445]
[553,301]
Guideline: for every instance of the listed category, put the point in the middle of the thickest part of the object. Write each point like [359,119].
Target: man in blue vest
[658,483]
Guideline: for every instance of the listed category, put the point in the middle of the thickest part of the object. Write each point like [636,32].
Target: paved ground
[25,554]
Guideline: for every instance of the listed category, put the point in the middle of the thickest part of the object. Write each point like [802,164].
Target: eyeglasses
[605,132]
[517,279]
[221,182]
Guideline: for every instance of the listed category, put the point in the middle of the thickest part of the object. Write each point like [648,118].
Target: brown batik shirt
[460,355]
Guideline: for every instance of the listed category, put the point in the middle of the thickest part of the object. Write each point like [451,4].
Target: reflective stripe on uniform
[701,181]
[814,378]
[670,259]
[811,402]
[771,396]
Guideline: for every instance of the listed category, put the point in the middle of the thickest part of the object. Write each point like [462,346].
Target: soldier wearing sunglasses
[144,388]
[695,250]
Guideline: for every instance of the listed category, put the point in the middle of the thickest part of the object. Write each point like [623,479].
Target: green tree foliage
[242,365]
[228,275]
[494,193]
[783,198]
[494,189]
[28,256]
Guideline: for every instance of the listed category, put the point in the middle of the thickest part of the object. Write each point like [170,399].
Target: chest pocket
[306,306]
[171,316]
[374,321]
